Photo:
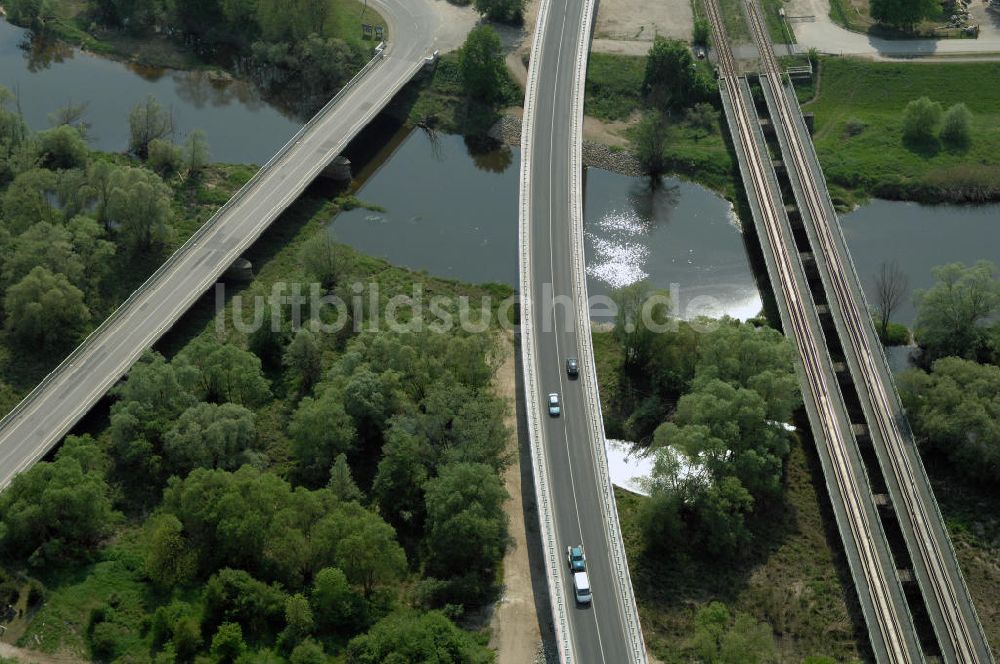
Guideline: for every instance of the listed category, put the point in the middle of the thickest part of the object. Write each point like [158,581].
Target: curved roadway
[576,495]
[52,409]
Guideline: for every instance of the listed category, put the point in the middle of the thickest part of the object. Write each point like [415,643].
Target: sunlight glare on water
[620,249]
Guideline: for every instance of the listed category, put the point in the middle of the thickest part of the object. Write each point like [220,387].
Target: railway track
[823,391]
[960,641]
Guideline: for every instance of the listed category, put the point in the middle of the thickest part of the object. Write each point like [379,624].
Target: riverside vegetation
[280,495]
[80,230]
[730,556]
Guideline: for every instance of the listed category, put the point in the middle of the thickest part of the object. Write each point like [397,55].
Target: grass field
[614,93]
[614,86]
[972,514]
[859,139]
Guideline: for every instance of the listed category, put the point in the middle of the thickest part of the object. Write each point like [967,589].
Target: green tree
[955,127]
[34,14]
[209,435]
[147,122]
[45,310]
[482,64]
[138,202]
[465,504]
[26,201]
[953,315]
[223,372]
[320,430]
[58,510]
[921,119]
[701,32]
[671,74]
[63,147]
[500,10]
[196,153]
[43,245]
[268,340]
[187,638]
[649,143]
[955,410]
[341,482]
[721,638]
[235,597]
[410,636]
[164,157]
[305,359]
[319,259]
[902,14]
[170,562]
[337,607]
[641,314]
[228,644]
[399,480]
[299,621]
[738,435]
[369,554]
[308,652]
[756,358]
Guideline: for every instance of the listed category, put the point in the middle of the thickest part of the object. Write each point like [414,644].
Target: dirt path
[822,33]
[515,631]
[33,657]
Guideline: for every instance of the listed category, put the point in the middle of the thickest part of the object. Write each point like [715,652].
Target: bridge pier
[339,170]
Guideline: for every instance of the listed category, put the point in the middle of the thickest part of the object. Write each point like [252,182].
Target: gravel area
[595,155]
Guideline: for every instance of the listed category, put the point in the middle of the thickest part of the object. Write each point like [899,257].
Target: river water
[241,128]
[452,210]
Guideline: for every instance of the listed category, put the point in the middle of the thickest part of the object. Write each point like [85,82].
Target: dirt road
[516,634]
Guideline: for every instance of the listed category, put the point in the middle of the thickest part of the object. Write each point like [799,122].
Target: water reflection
[919,237]
[41,52]
[449,212]
[46,75]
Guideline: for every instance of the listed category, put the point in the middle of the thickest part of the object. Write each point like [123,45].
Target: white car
[554,407]
[581,588]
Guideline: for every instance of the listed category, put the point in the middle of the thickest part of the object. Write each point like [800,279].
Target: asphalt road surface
[51,411]
[597,630]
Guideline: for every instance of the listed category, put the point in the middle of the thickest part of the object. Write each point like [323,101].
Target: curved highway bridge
[575,500]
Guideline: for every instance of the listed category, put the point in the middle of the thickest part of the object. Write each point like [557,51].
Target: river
[240,126]
[452,210]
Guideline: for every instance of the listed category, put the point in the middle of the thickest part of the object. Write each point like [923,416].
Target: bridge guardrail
[90,340]
[539,464]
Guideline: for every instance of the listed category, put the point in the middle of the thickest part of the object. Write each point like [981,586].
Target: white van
[581,587]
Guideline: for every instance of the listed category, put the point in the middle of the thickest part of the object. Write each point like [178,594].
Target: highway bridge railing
[116,315]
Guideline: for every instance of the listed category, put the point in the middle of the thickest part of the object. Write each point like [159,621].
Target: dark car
[576,558]
[572,367]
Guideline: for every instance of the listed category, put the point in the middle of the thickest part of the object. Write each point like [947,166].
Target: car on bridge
[572,367]
[554,408]
[576,558]
[581,588]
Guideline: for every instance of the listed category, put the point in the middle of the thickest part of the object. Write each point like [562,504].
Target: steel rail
[845,474]
[943,588]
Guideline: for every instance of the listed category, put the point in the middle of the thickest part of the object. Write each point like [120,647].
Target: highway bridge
[576,504]
[914,599]
[41,420]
